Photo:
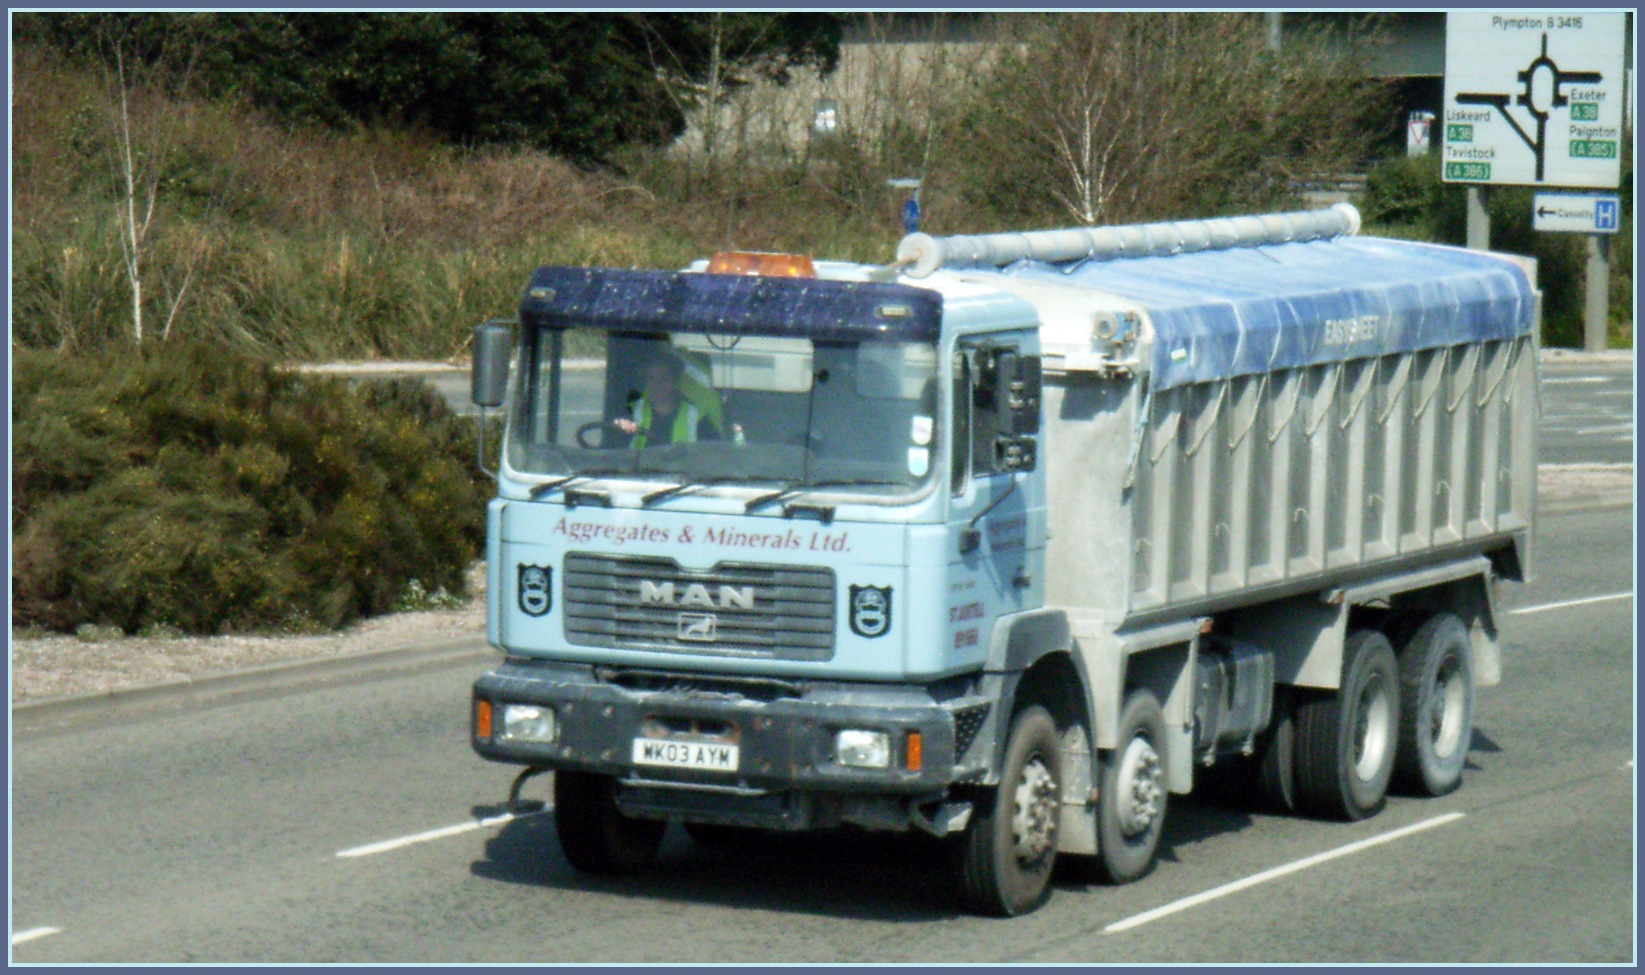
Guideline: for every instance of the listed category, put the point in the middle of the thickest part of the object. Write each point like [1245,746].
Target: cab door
[995,523]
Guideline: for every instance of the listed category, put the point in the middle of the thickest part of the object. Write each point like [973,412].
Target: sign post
[1535,98]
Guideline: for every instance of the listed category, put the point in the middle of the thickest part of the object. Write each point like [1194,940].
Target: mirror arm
[480,450]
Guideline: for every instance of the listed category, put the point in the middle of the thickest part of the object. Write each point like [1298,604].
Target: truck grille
[734,609]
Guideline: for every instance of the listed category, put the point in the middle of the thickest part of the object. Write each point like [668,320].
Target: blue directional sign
[1576,213]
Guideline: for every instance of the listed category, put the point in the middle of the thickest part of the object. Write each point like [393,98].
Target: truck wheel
[1436,724]
[595,836]
[1132,795]
[1346,740]
[1004,857]
[1275,760]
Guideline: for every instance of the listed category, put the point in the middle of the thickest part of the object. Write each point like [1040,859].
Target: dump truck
[1008,540]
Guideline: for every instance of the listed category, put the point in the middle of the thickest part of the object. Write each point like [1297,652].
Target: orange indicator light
[482,718]
[912,757]
[762,264]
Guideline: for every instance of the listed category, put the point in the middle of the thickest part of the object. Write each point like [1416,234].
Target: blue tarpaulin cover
[1246,310]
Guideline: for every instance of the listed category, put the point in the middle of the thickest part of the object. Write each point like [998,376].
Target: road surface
[353,824]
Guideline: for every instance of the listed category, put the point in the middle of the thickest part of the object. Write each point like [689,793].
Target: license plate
[685,754]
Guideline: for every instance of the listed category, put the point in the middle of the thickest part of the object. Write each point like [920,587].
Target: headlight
[863,749]
[528,722]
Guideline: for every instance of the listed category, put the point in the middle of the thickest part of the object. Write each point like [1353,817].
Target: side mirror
[493,341]
[1005,383]
[1025,396]
[1016,393]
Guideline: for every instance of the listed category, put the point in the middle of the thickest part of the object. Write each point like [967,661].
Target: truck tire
[594,835]
[1005,855]
[1345,741]
[1133,791]
[1436,723]
[1275,760]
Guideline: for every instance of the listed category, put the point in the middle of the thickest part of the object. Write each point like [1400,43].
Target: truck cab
[732,622]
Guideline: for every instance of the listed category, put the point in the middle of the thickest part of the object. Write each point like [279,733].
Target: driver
[667,411]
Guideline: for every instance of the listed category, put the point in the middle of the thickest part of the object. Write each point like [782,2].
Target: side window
[984,429]
[996,409]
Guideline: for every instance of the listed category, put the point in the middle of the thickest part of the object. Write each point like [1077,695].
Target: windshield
[771,412]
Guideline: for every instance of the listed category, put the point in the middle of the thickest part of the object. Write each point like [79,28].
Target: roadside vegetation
[192,491]
[201,200]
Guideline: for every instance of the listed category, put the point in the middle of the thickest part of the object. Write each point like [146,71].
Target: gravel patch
[60,665]
[1569,487]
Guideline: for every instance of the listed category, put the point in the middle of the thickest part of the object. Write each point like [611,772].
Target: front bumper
[784,731]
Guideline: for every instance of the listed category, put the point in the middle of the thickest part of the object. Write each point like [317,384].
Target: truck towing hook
[523,807]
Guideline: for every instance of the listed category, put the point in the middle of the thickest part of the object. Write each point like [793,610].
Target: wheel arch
[1473,600]
[1032,654]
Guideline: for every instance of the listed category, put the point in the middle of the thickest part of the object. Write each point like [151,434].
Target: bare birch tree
[143,141]
[1113,117]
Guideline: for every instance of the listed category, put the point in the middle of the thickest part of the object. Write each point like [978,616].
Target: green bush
[194,488]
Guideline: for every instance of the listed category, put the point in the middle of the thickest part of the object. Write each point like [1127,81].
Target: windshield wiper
[548,487]
[690,485]
[777,495]
[798,488]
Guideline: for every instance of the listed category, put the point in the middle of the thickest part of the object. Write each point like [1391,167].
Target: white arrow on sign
[1578,213]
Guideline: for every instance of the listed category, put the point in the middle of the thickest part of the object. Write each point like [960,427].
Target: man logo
[534,595]
[696,594]
[870,610]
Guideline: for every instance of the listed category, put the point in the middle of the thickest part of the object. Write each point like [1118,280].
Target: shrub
[194,488]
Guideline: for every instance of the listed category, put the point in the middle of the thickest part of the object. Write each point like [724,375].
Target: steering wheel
[585,434]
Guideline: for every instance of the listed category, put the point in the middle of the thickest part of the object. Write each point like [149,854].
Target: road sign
[1579,213]
[1533,97]
[1419,133]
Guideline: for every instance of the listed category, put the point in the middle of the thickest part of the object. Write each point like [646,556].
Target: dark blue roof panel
[1248,310]
[830,311]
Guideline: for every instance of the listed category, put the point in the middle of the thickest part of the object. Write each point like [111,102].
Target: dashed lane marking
[432,835]
[1570,602]
[33,934]
[1274,874]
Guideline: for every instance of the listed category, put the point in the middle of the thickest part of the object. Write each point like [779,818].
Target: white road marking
[1576,379]
[1616,466]
[33,933]
[433,834]
[1570,602]
[1616,428]
[1277,872]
